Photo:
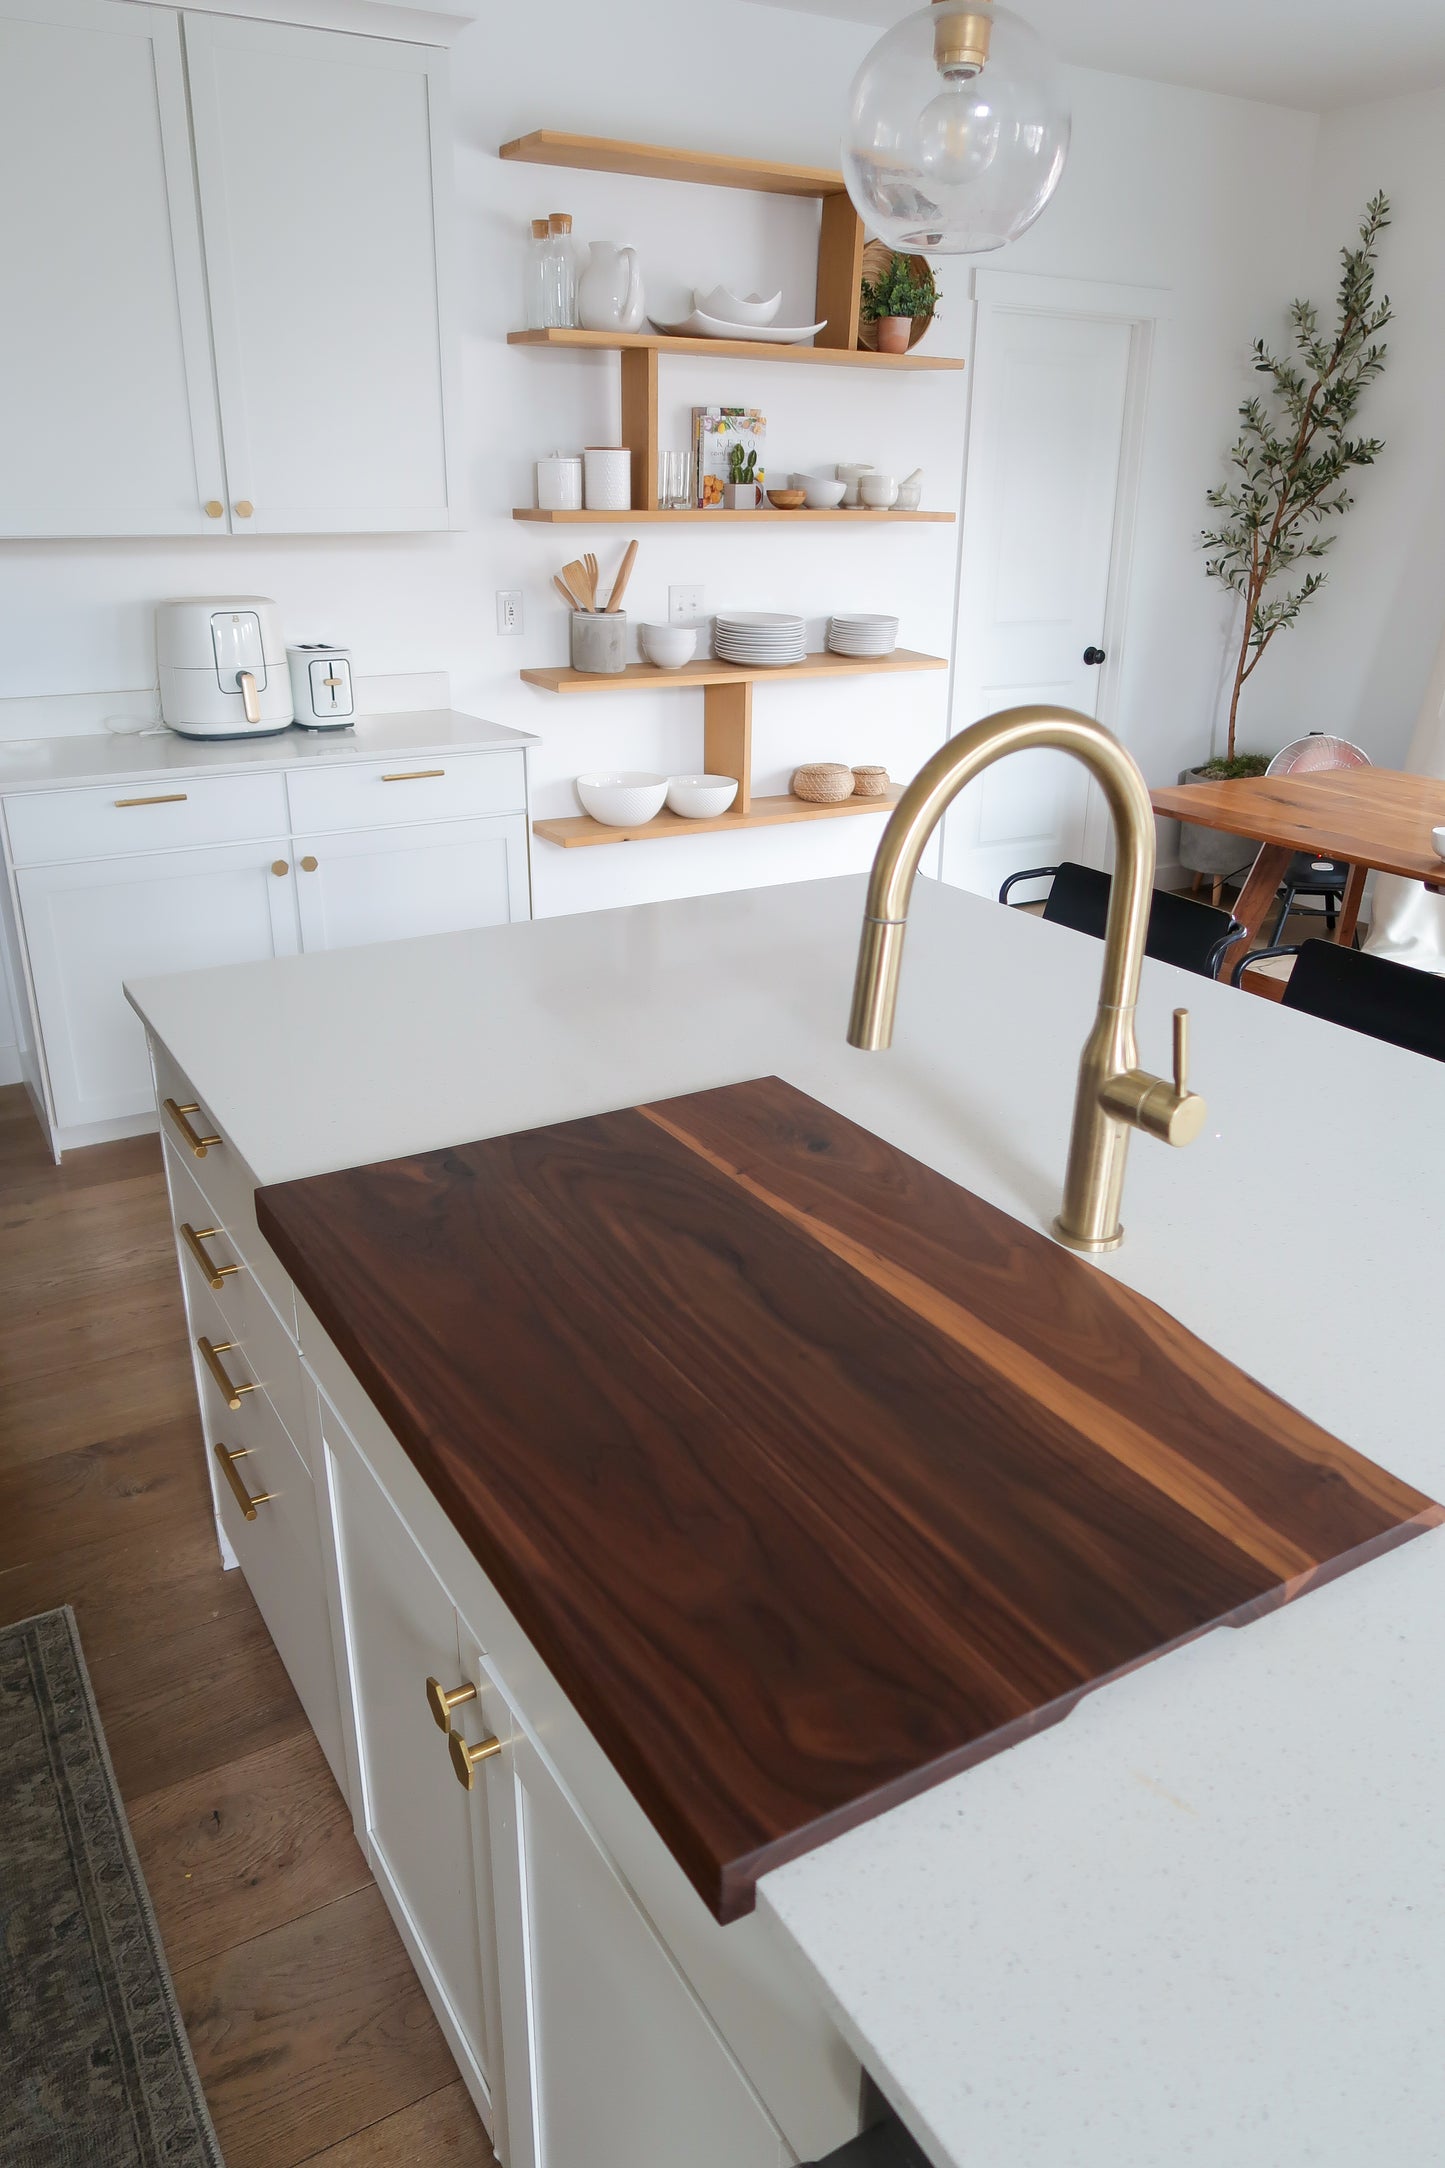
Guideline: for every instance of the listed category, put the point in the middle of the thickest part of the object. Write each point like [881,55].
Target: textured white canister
[559,483]
[609,478]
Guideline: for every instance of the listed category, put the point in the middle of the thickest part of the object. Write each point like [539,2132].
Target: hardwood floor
[313,2039]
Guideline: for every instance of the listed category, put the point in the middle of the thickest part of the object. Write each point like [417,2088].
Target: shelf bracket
[727,737]
[639,422]
[840,272]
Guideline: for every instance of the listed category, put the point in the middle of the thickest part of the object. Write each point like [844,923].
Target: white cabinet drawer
[263,1351]
[46,825]
[220,1173]
[416,787]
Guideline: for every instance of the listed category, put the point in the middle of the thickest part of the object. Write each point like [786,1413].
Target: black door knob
[1093,656]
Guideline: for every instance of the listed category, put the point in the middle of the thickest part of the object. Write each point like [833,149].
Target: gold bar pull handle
[441,1703]
[193,1237]
[227,1457]
[199,1145]
[171,797]
[211,1357]
[465,1758]
[414,775]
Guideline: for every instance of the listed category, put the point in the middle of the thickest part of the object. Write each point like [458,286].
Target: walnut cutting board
[813,1478]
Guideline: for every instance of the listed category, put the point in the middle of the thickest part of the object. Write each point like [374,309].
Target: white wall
[1359,659]
[1163,187]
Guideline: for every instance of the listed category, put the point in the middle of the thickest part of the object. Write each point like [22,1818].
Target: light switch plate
[509,609]
[684,605]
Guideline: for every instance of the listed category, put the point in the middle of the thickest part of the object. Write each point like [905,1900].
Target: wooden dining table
[1374,819]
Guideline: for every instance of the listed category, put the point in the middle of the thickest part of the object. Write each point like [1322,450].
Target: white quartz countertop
[1202,1921]
[113,757]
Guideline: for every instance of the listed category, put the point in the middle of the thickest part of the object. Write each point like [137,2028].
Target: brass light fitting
[961,42]
[1114,1094]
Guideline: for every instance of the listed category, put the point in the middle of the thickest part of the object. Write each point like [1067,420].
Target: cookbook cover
[715,432]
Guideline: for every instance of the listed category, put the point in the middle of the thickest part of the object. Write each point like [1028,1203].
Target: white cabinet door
[401,1629]
[386,884]
[322,166]
[91,926]
[610,2060]
[106,382]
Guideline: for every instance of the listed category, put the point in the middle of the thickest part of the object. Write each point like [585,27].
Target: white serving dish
[731,308]
[701,797]
[668,647]
[1437,837]
[823,492]
[622,799]
[700,326]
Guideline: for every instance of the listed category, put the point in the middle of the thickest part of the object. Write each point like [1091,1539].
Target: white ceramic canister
[559,482]
[851,474]
[609,477]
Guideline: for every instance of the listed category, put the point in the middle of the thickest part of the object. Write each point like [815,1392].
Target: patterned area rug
[95,2068]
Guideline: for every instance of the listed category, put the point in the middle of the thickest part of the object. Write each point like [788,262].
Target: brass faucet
[1114,1094]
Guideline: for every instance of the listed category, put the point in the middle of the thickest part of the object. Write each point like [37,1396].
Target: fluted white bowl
[733,308]
[701,797]
[624,799]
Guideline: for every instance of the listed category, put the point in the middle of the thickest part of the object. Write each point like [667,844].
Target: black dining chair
[1181,931]
[1370,994]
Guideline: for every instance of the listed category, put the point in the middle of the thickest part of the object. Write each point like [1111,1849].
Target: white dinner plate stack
[762,639]
[862,635]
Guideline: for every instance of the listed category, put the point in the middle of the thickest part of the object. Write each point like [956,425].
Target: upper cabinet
[229,320]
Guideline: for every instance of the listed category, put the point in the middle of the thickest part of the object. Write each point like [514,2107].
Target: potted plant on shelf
[902,293]
[741,491]
[1289,461]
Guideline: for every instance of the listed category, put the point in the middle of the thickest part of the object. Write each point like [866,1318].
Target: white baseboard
[10,1069]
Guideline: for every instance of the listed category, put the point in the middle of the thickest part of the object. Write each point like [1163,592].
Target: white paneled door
[1059,380]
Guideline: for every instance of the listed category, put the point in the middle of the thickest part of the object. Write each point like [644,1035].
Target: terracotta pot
[894,333]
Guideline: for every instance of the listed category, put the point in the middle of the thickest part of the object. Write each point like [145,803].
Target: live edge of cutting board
[813,1478]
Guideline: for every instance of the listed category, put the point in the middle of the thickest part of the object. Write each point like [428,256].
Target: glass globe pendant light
[957,130]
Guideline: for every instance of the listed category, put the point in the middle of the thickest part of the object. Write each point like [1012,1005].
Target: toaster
[321,689]
[222,665]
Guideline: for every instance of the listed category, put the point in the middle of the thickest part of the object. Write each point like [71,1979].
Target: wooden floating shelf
[580,831]
[724,519]
[652,162]
[645,677]
[662,342]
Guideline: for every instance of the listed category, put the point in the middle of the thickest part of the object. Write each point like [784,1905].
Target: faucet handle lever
[1181,1051]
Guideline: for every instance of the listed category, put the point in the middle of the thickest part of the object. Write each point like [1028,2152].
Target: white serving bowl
[737,309]
[1437,837]
[878,491]
[622,800]
[668,647]
[701,797]
[823,494]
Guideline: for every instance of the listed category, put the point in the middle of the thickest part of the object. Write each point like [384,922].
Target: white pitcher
[609,292]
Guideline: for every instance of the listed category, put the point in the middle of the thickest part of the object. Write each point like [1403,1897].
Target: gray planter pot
[1209,850]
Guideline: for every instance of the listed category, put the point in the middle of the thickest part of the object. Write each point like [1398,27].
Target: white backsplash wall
[1163,187]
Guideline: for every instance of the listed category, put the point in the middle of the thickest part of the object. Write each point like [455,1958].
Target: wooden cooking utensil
[565,592]
[619,585]
[582,585]
[594,569]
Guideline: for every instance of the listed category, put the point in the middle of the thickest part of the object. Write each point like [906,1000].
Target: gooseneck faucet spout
[1114,1094]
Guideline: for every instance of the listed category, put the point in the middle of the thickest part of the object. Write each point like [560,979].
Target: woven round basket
[870,782]
[876,258]
[823,782]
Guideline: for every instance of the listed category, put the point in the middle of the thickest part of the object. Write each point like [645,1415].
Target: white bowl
[878,491]
[732,308]
[622,800]
[668,647]
[1437,837]
[701,797]
[823,495]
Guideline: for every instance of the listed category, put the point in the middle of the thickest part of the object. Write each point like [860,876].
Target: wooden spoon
[565,592]
[619,585]
[576,576]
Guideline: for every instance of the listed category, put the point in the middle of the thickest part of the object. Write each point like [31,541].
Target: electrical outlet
[509,609]
[684,605]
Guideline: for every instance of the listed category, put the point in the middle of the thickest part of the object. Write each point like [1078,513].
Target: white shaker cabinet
[322,162]
[92,924]
[106,381]
[387,884]
[223,275]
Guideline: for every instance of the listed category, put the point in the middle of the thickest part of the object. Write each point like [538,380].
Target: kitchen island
[999,1953]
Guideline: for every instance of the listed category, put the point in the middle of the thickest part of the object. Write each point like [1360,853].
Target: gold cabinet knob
[308,864]
[279,867]
[243,508]
[465,1758]
[214,508]
[226,1458]
[441,1703]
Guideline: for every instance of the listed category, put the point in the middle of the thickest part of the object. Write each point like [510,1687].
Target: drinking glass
[674,482]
